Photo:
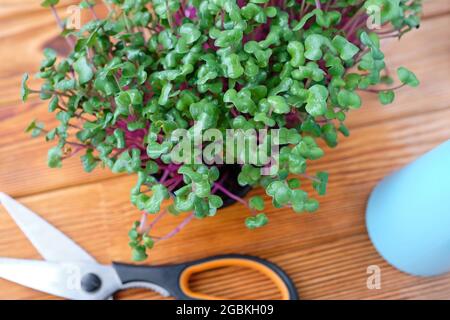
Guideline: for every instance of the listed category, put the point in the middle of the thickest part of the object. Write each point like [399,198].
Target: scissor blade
[60,279]
[51,243]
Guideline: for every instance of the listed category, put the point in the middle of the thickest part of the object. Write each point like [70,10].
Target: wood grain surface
[326,253]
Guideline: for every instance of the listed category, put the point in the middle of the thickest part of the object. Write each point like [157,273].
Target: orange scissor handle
[220,262]
[273,272]
[175,278]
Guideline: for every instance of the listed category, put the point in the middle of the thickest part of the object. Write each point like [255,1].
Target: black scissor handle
[175,278]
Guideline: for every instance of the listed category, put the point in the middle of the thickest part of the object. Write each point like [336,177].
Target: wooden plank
[23,161]
[27,29]
[426,52]
[433,8]
[28,157]
[326,253]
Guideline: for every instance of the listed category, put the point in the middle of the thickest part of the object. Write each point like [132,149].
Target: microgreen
[152,67]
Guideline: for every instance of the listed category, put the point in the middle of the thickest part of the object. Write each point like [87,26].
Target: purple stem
[170,181]
[229,194]
[94,14]
[155,221]
[178,228]
[143,222]
[61,25]
[374,90]
[175,184]
[356,25]
[318,5]
[216,185]
[164,176]
[57,18]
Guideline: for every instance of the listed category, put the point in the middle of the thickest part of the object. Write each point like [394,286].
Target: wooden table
[327,253]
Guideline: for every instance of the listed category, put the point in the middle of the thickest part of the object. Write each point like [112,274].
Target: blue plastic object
[408,215]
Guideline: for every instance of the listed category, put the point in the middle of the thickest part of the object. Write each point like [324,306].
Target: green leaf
[257,221]
[327,18]
[133,234]
[190,32]
[311,205]
[139,254]
[386,97]
[24,90]
[65,85]
[49,3]
[316,104]
[83,70]
[294,183]
[314,44]
[299,198]
[297,52]
[344,130]
[249,175]
[127,162]
[165,92]
[123,99]
[50,135]
[148,241]
[257,203]
[262,117]
[85,4]
[53,105]
[35,128]
[407,77]
[155,150]
[278,104]
[31,126]
[159,194]
[349,99]
[120,138]
[346,49]
[279,191]
[215,201]
[89,161]
[372,42]
[303,21]
[232,66]
[202,188]
[297,164]
[388,9]
[320,185]
[329,134]
[308,148]
[50,58]
[136,97]
[55,157]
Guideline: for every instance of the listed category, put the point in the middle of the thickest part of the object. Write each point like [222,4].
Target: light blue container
[408,215]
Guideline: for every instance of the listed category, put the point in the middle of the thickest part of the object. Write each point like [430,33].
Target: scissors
[68,271]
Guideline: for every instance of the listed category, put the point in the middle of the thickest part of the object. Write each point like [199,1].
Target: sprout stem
[381,90]
[178,228]
[143,222]
[318,5]
[61,25]
[304,175]
[164,176]
[57,18]
[229,194]
[154,221]
[94,14]
[169,15]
